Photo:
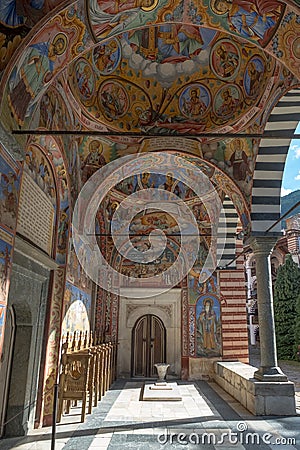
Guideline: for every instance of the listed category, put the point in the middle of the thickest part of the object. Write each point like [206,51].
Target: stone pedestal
[262,247]
[155,393]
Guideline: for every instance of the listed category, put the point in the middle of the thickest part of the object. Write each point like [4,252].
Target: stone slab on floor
[167,393]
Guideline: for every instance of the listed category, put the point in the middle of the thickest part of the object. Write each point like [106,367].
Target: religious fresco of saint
[16,20]
[109,18]
[39,61]
[77,304]
[50,50]
[75,272]
[208,327]
[236,158]
[256,20]
[39,169]
[9,185]
[201,281]
[94,153]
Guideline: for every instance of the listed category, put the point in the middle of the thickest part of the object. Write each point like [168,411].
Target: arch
[148,345]
[270,162]
[75,30]
[227,230]
[154,310]
[167,307]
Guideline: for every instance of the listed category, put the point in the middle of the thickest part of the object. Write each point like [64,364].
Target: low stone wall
[261,398]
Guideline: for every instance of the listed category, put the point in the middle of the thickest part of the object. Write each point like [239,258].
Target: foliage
[286,291]
[297,328]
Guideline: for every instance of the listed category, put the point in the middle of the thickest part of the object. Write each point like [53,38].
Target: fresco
[5,262]
[6,251]
[253,76]
[75,273]
[40,61]
[85,80]
[201,281]
[285,45]
[236,158]
[224,183]
[77,305]
[147,180]
[16,20]
[2,324]
[56,186]
[208,327]
[172,42]
[38,167]
[106,57]
[256,20]
[109,18]
[38,68]
[95,153]
[9,186]
[194,101]
[225,59]
[53,110]
[170,92]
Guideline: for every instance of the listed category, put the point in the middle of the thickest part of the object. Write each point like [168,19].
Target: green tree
[286,291]
[297,328]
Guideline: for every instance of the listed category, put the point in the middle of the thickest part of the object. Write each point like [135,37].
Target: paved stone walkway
[206,418]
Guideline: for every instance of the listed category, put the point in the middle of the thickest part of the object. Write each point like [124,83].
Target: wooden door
[148,346]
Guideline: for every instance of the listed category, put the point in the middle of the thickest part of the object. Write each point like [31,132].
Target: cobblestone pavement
[205,418]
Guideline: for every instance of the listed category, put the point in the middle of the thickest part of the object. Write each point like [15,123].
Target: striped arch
[227,230]
[270,162]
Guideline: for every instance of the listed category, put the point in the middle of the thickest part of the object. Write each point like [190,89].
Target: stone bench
[261,398]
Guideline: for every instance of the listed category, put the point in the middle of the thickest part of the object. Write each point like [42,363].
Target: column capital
[261,245]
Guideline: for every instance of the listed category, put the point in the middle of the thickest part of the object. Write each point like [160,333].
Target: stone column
[262,247]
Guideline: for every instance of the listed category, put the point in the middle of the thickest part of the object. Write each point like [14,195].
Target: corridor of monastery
[142,149]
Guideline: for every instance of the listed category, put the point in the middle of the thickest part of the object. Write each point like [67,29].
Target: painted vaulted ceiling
[136,69]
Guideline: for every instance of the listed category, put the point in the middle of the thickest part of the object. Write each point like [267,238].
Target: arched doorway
[148,345]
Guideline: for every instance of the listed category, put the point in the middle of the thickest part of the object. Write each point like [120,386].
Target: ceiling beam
[280,134]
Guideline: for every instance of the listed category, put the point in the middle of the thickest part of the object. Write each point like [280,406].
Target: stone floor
[205,418]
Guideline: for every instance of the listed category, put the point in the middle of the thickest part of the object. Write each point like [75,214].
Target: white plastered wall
[166,306]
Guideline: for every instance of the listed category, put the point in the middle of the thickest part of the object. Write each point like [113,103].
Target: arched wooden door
[148,346]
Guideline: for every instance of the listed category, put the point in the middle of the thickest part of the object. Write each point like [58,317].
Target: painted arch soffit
[222,182]
[220,87]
